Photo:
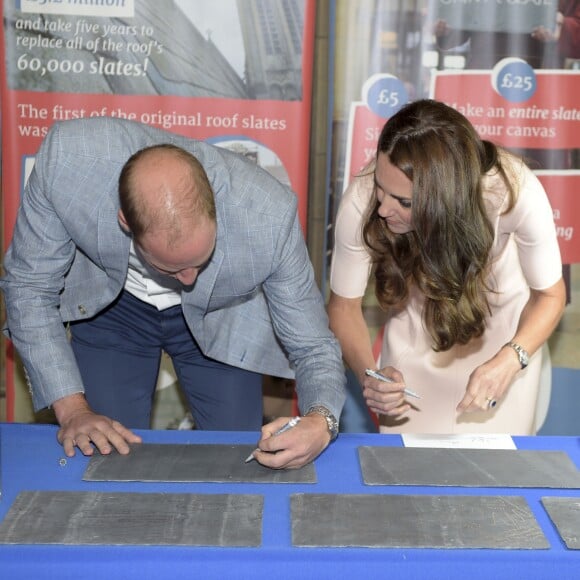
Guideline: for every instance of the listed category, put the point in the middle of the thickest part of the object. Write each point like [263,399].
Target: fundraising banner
[511,68]
[237,73]
[514,105]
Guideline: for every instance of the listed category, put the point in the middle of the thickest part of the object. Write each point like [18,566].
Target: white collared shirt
[150,286]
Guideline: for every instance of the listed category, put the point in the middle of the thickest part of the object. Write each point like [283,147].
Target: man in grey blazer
[130,240]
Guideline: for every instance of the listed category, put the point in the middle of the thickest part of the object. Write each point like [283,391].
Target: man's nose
[187,277]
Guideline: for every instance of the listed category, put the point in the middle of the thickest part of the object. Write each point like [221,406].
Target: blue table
[31,458]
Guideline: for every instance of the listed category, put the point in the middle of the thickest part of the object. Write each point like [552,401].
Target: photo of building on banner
[241,82]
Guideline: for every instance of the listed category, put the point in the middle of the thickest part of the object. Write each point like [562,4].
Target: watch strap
[522,353]
[331,421]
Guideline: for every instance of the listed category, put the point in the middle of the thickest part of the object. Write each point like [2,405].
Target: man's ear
[123,222]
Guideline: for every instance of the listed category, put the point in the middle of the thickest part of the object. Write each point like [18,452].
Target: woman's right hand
[386,398]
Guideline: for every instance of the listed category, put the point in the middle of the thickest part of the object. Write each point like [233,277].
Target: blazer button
[82,309]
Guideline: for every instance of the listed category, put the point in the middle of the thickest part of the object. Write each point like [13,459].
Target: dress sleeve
[532,223]
[351,263]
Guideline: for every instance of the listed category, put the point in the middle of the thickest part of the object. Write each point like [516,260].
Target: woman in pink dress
[459,238]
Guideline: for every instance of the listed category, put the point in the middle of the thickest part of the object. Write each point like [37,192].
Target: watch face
[331,421]
[523,356]
[524,359]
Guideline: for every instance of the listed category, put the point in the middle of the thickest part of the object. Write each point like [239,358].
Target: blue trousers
[119,352]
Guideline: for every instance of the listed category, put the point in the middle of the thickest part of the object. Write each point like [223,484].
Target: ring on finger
[491,402]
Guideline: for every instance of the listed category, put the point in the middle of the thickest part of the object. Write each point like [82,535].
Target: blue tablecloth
[31,461]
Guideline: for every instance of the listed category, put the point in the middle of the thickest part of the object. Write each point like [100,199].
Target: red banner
[549,119]
[563,188]
[273,126]
[243,82]
[364,131]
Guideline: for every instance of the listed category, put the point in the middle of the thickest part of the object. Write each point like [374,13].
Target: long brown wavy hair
[446,255]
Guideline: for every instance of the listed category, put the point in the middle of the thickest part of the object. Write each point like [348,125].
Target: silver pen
[292,423]
[381,377]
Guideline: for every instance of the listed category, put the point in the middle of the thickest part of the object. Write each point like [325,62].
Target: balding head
[164,191]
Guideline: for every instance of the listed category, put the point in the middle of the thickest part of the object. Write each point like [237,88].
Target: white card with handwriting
[460,441]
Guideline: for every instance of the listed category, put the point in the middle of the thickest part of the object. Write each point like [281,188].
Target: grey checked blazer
[256,305]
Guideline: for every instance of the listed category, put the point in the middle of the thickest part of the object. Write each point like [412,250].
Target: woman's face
[394,192]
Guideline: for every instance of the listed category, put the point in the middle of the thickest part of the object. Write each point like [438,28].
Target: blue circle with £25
[384,94]
[514,79]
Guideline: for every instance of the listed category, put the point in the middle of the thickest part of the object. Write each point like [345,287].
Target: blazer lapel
[113,244]
[198,298]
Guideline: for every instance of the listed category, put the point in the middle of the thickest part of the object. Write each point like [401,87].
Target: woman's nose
[384,209]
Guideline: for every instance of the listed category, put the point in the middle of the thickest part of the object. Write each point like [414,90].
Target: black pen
[292,423]
[381,377]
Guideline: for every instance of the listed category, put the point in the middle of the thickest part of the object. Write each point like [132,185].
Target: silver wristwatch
[331,420]
[522,353]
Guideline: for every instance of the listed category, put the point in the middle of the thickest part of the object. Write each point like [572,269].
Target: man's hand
[293,448]
[81,427]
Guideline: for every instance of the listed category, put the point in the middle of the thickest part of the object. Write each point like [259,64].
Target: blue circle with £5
[385,95]
[516,81]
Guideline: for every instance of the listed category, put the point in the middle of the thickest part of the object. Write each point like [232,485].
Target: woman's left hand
[489,382]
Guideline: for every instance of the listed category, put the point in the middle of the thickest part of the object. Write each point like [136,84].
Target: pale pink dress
[525,255]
